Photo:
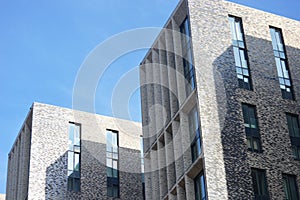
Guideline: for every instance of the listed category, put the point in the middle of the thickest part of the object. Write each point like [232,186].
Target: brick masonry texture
[225,159]
[48,155]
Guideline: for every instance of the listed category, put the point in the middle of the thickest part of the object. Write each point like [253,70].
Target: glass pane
[115,164]
[109,191]
[246,72]
[278,40]
[70,160]
[76,135]
[249,146]
[239,30]
[255,144]
[76,184]
[232,28]
[71,137]
[274,42]
[238,70]
[278,66]
[115,191]
[76,162]
[237,57]
[109,162]
[253,122]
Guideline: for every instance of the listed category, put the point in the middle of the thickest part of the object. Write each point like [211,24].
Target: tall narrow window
[281,63]
[195,134]
[142,166]
[112,163]
[187,54]
[251,128]
[240,53]
[199,182]
[294,132]
[260,186]
[290,187]
[74,157]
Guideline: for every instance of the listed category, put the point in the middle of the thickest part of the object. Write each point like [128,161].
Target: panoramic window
[251,127]
[199,184]
[260,187]
[74,158]
[290,187]
[281,63]
[240,53]
[195,134]
[294,132]
[112,163]
[187,55]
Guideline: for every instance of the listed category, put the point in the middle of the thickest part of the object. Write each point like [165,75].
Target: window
[281,63]
[259,184]
[112,163]
[294,132]
[240,53]
[194,128]
[251,128]
[187,55]
[290,187]
[199,183]
[74,158]
[142,166]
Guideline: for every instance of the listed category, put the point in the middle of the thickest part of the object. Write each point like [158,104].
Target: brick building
[220,93]
[67,154]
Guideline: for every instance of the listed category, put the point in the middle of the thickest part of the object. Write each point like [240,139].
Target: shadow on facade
[93,174]
[266,96]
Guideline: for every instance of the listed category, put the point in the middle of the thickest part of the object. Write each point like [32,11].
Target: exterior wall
[49,146]
[225,159]
[266,96]
[18,163]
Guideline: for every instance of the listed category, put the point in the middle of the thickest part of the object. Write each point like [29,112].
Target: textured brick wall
[220,98]
[226,160]
[48,158]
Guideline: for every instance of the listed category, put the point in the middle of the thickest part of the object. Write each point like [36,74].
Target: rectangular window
[200,191]
[240,53]
[195,134]
[290,187]
[187,55]
[281,63]
[112,163]
[260,186]
[74,157]
[142,166]
[294,132]
[251,128]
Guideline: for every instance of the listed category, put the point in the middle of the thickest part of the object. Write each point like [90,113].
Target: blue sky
[43,44]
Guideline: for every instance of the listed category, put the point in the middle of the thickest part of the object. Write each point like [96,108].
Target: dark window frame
[198,181]
[113,183]
[195,135]
[252,133]
[294,137]
[286,83]
[260,184]
[288,180]
[243,73]
[187,56]
[74,179]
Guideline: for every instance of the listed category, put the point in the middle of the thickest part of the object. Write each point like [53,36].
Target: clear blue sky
[43,44]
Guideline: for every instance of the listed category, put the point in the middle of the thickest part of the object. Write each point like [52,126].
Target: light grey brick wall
[225,159]
[48,154]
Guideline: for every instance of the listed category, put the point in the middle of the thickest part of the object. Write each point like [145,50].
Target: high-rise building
[220,94]
[63,154]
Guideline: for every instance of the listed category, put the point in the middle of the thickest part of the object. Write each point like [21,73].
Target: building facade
[220,94]
[63,154]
